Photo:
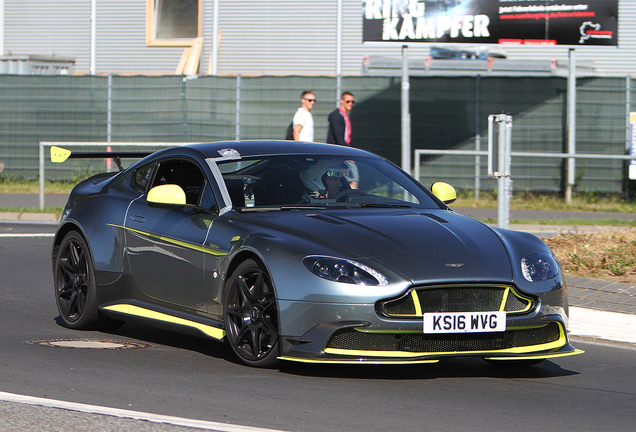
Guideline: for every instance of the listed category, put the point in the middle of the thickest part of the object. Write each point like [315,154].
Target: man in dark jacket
[339,131]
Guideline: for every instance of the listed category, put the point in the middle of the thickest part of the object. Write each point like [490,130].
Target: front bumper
[391,330]
[353,342]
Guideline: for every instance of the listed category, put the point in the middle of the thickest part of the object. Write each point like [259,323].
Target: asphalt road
[194,378]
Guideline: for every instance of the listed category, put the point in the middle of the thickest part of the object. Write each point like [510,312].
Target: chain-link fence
[446,113]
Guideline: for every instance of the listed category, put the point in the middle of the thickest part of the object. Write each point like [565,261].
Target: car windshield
[299,181]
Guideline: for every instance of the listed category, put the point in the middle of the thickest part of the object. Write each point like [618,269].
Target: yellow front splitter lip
[545,356]
[549,350]
[538,356]
[552,348]
[356,361]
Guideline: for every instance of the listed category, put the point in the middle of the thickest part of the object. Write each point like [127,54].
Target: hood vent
[324,218]
[435,218]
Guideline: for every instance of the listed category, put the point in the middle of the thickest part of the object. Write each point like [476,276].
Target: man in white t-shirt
[303,121]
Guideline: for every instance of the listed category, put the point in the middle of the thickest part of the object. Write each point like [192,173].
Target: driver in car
[325,180]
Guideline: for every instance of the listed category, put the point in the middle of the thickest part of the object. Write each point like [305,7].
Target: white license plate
[464,322]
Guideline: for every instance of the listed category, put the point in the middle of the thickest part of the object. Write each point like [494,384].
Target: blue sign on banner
[506,22]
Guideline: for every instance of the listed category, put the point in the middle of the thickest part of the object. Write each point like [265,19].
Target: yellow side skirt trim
[127,309]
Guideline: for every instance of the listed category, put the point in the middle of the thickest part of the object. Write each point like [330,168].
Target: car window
[207,199]
[185,174]
[142,176]
[304,180]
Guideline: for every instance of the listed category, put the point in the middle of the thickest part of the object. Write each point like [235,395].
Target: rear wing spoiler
[59,155]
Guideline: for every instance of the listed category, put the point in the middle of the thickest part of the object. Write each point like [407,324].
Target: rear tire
[251,315]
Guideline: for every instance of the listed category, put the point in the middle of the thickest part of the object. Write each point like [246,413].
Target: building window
[172,22]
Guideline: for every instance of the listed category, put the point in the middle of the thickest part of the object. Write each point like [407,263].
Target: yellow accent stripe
[397,331]
[507,291]
[527,300]
[517,350]
[416,301]
[504,299]
[324,361]
[174,241]
[127,309]
[538,357]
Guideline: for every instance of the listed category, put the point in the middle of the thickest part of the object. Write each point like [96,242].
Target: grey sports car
[303,252]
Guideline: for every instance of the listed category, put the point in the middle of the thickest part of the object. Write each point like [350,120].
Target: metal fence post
[628,133]
[238,107]
[500,162]
[41,162]
[406,115]
[184,107]
[504,182]
[571,164]
[477,138]
[109,109]
[109,118]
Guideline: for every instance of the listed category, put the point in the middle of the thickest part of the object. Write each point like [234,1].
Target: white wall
[257,37]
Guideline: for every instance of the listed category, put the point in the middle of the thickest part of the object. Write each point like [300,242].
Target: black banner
[507,22]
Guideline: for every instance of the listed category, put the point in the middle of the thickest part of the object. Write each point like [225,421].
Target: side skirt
[142,312]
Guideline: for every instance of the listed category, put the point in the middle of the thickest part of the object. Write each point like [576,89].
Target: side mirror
[167,195]
[445,192]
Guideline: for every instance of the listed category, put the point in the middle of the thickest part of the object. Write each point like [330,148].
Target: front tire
[251,315]
[74,278]
[76,288]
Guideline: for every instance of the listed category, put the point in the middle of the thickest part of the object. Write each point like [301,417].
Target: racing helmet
[312,176]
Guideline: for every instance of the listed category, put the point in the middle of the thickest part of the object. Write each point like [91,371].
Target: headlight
[539,266]
[343,270]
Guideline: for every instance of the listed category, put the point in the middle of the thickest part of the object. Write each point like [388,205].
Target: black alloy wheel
[74,278]
[251,315]
[76,288]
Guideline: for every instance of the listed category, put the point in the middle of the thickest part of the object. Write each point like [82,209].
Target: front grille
[353,340]
[419,301]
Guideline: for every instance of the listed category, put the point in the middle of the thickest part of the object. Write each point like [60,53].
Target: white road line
[16,235]
[135,415]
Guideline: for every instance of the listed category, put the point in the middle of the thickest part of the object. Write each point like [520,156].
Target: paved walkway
[599,309]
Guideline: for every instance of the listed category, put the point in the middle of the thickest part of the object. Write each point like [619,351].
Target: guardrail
[49,144]
[503,204]
[420,152]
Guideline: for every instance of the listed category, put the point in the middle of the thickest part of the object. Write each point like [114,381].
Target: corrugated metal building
[256,37]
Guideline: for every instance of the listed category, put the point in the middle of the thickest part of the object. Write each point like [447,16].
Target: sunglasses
[350,101]
[310,100]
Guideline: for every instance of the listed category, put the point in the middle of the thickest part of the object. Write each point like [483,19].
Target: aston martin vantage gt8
[303,252]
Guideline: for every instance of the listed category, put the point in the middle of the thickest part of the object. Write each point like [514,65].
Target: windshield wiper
[381,205]
[293,207]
